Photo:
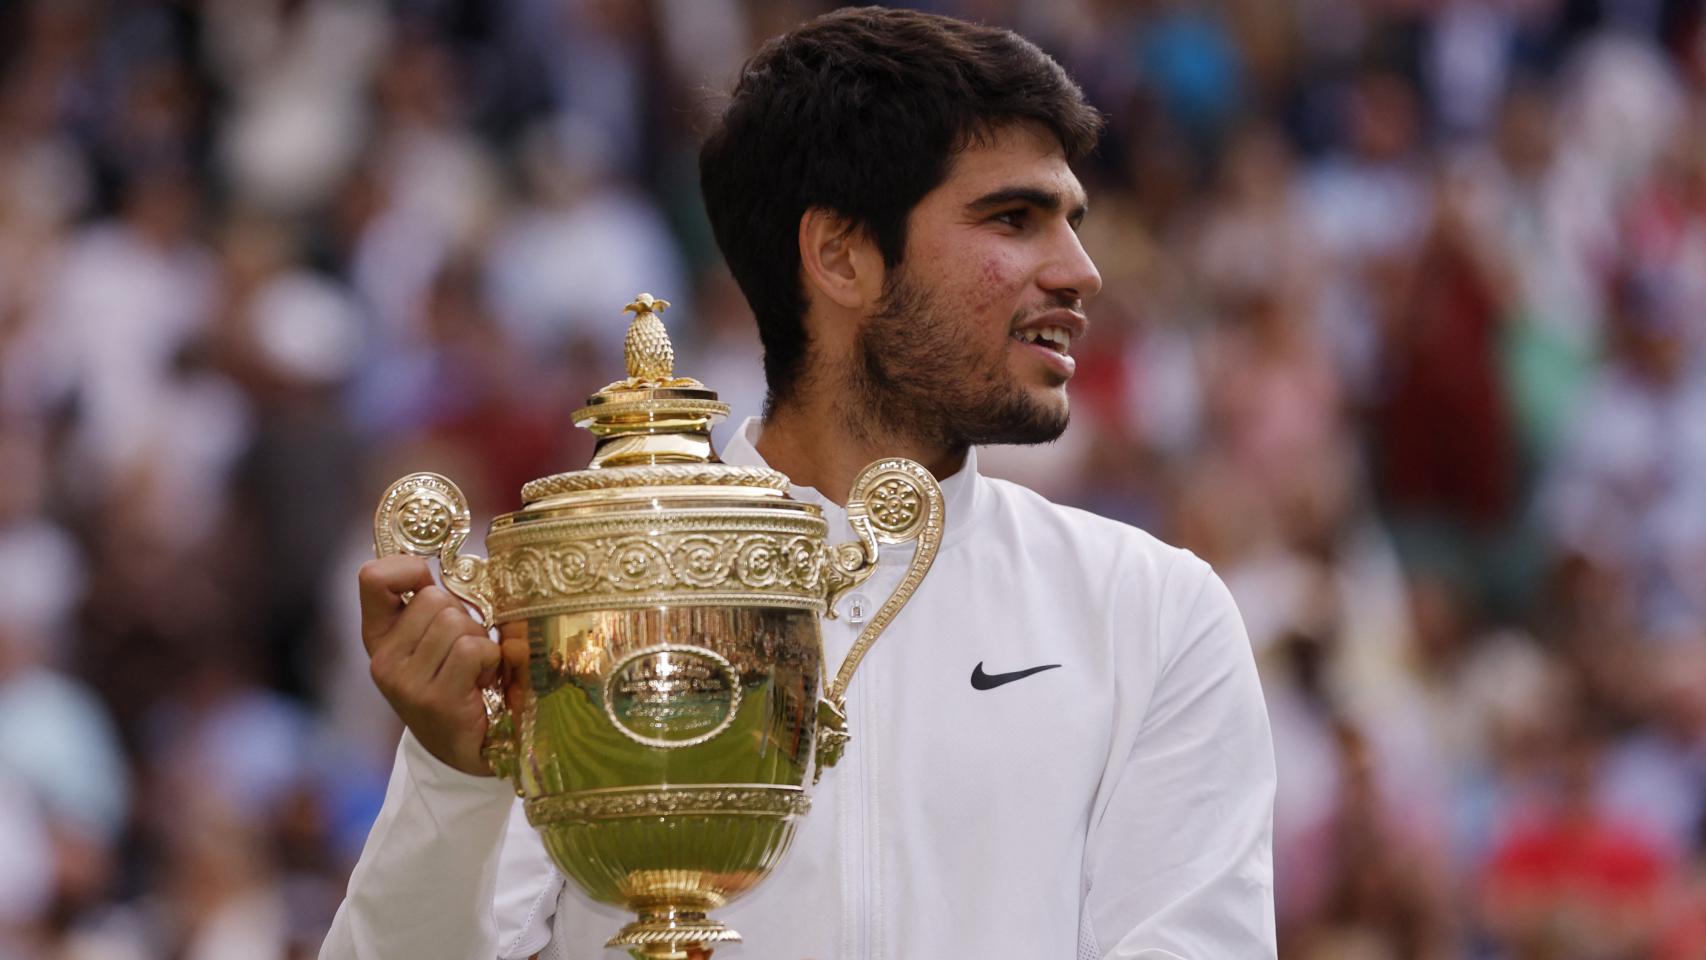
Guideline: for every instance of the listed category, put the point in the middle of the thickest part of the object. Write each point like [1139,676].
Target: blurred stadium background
[1401,330]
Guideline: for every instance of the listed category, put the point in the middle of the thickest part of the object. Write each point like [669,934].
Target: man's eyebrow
[1049,201]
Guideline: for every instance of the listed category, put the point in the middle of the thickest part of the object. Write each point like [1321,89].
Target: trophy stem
[673,935]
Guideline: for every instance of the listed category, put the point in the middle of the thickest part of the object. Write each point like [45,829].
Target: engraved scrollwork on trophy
[690,562]
[523,572]
[896,499]
[895,506]
[678,930]
[804,559]
[637,563]
[570,567]
[758,561]
[416,516]
[849,564]
[660,475]
[591,806]
[424,521]
[426,515]
[703,560]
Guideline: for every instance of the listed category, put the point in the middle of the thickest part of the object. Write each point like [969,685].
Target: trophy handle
[851,564]
[426,515]
[893,501]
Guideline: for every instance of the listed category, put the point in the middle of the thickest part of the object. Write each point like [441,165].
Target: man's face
[971,343]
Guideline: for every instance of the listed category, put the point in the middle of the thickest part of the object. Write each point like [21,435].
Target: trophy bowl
[674,702]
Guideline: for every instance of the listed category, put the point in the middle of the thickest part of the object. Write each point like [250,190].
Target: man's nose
[1070,271]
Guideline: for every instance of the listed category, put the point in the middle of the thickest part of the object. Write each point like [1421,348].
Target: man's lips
[1054,330]
[1072,321]
[1051,356]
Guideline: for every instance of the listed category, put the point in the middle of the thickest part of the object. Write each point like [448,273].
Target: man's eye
[1011,218]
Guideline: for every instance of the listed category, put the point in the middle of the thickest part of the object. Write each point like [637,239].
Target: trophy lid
[653,427]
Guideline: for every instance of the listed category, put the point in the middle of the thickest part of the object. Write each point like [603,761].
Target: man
[1060,744]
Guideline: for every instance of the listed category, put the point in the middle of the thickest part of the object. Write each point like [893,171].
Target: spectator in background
[584,235]
[1367,204]
[1273,390]
[1387,891]
[290,338]
[1454,489]
[61,767]
[1569,877]
[1627,491]
[296,77]
[1531,196]
[116,315]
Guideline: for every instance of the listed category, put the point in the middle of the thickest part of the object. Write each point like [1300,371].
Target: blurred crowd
[1401,330]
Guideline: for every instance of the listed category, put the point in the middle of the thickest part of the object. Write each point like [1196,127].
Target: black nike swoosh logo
[989,681]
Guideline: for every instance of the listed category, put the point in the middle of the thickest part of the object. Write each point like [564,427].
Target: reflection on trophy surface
[675,697]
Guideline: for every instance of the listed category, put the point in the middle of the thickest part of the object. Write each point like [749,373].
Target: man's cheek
[997,275]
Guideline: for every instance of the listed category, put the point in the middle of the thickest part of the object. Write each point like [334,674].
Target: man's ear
[838,260]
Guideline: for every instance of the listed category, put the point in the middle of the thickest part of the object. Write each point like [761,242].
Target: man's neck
[815,450]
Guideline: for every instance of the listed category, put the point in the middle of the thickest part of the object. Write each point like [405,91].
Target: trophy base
[673,935]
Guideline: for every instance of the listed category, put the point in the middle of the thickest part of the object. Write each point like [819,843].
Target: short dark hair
[860,112]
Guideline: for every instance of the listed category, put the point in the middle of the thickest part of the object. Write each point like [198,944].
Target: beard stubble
[917,373]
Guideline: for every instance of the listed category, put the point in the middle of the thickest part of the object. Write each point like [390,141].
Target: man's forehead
[1016,154]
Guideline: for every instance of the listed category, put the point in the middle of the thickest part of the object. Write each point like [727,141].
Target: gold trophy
[675,700]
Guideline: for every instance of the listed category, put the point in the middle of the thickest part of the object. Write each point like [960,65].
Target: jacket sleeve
[450,870]
[1180,861]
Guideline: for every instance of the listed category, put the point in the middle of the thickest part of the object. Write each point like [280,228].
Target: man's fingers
[441,634]
[426,655]
[400,636]
[470,657]
[384,581]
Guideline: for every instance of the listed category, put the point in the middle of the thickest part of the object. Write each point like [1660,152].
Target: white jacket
[1119,805]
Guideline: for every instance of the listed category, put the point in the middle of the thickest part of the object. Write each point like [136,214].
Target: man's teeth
[1058,337]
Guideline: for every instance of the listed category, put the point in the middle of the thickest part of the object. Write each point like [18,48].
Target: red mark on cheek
[985,291]
[998,283]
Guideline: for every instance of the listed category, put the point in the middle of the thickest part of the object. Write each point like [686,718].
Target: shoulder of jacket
[1084,528]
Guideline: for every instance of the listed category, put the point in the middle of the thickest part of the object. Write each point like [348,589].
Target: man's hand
[429,658]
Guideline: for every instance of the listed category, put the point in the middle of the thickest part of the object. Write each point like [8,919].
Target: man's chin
[1050,409]
[1039,422]
[1040,433]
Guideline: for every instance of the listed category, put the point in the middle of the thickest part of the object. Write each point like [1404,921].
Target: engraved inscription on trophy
[672,695]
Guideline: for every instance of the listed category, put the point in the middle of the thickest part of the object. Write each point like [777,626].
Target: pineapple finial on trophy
[652,416]
[649,354]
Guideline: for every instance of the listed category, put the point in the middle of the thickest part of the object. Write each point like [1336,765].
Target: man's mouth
[1058,339]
